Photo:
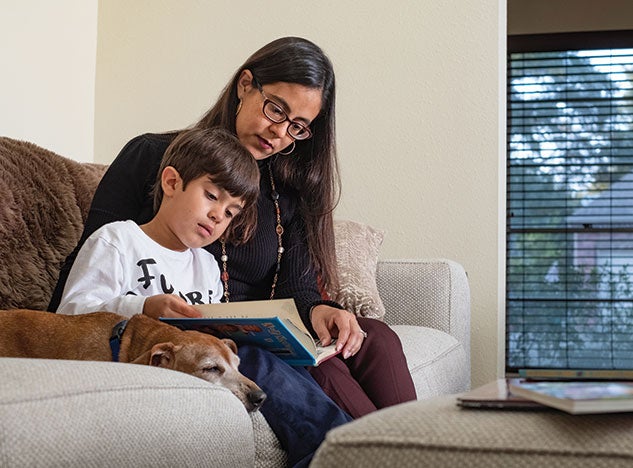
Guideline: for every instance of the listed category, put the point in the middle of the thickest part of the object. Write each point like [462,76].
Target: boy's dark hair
[215,152]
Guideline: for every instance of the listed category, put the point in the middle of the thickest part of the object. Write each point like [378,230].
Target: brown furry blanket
[44,200]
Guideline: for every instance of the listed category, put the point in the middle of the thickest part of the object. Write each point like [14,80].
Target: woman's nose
[280,129]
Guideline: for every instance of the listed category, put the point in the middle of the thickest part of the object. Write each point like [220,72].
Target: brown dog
[34,334]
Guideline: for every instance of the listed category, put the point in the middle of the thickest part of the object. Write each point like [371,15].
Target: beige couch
[65,413]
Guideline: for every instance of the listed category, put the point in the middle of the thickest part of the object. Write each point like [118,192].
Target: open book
[578,397]
[273,324]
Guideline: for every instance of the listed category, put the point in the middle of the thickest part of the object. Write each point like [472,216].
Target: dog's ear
[231,344]
[163,354]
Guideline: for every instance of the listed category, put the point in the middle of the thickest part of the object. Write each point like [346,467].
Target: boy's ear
[170,180]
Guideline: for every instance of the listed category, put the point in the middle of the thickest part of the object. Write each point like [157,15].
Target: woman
[280,104]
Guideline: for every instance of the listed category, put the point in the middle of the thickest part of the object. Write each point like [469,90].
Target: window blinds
[569,247]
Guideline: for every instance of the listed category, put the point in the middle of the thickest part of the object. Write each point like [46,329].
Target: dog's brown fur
[34,334]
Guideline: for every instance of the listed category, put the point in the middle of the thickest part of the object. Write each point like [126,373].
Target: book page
[323,353]
[282,308]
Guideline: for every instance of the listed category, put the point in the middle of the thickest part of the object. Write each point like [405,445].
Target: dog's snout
[256,398]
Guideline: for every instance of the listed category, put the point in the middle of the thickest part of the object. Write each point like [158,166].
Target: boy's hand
[330,322]
[168,305]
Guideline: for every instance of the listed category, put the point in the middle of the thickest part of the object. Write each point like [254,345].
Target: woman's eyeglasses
[276,114]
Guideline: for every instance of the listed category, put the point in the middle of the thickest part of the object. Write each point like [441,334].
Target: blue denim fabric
[296,408]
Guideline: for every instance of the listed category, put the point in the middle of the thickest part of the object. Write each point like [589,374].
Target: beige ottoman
[437,433]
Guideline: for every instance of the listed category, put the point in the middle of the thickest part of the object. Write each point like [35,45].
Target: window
[569,248]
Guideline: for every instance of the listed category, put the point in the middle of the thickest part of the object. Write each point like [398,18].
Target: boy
[206,181]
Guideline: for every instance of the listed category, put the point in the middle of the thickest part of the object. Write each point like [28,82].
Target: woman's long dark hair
[312,168]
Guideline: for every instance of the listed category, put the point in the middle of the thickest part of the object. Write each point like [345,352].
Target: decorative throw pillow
[357,247]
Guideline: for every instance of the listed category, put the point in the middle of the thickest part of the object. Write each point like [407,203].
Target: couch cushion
[268,450]
[82,413]
[436,360]
[357,246]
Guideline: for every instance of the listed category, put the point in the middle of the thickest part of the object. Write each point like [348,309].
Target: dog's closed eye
[213,370]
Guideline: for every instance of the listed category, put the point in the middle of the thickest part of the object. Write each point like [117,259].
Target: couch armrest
[430,293]
[83,413]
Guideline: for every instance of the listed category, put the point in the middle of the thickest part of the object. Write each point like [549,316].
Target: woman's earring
[239,107]
[288,152]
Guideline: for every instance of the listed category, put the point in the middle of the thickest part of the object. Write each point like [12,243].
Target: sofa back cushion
[44,201]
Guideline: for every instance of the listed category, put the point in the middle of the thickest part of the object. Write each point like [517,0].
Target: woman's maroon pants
[376,377]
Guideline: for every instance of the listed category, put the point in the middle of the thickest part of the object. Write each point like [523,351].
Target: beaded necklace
[279,229]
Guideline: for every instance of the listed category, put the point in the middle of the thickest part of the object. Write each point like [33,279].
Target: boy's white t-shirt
[119,266]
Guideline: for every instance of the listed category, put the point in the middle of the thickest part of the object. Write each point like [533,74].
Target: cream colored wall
[48,52]
[420,111]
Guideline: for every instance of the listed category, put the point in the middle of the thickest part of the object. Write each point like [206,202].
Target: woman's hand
[329,322]
[168,305]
